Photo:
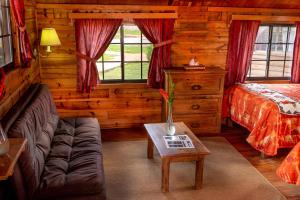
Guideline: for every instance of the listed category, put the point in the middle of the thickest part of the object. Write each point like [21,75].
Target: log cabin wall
[198,32]
[115,105]
[201,34]
[18,80]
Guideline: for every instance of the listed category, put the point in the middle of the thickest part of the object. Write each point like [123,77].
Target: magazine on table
[178,141]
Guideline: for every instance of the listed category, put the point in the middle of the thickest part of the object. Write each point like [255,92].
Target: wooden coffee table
[155,136]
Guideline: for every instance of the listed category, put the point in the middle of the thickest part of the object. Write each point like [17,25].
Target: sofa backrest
[37,123]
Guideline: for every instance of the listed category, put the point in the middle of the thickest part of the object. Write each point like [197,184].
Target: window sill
[115,85]
[269,81]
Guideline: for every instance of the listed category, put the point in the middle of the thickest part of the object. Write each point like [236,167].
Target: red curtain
[18,10]
[242,36]
[295,76]
[2,82]
[159,32]
[93,36]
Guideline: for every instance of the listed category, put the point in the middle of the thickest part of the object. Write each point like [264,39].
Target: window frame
[269,49]
[122,61]
[8,66]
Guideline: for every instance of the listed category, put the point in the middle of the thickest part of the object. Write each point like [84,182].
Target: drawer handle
[196,87]
[195,107]
[195,125]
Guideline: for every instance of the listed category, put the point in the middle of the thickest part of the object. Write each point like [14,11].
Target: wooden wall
[18,80]
[202,34]
[115,105]
[198,32]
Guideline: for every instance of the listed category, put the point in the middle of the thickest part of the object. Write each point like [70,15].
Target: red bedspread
[289,170]
[269,129]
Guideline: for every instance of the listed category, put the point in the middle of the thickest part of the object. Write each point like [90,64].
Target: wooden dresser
[197,98]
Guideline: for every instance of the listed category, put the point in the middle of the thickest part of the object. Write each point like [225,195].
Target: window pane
[145,40]
[132,71]
[263,34]
[279,60]
[147,52]
[2,59]
[7,43]
[278,51]
[132,34]
[279,34]
[132,52]
[276,68]
[258,68]
[5,22]
[289,53]
[249,72]
[287,69]
[292,35]
[1,21]
[117,38]
[260,52]
[145,70]
[112,71]
[113,53]
[4,2]
[100,70]
[127,57]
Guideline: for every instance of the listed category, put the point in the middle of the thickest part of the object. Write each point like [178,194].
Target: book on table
[178,141]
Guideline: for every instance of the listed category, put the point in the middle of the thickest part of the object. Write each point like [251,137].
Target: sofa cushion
[37,124]
[74,165]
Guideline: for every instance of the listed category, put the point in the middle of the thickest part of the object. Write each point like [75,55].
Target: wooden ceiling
[222,3]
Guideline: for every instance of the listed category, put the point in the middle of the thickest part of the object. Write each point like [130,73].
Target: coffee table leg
[150,148]
[165,172]
[199,173]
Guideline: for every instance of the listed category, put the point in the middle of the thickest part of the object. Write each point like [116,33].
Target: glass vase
[4,143]
[170,126]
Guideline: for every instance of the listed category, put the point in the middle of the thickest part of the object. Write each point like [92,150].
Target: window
[6,53]
[127,57]
[273,52]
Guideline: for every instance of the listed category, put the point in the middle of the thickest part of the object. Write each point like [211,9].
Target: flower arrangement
[169,97]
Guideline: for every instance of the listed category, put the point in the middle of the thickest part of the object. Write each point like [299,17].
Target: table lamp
[49,38]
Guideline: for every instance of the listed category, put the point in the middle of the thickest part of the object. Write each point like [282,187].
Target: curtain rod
[270,18]
[123,15]
[107,7]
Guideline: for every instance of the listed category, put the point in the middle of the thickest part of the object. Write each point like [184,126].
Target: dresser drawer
[197,85]
[200,123]
[195,106]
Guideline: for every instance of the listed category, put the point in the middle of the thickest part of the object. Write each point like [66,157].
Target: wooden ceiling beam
[107,7]
[253,10]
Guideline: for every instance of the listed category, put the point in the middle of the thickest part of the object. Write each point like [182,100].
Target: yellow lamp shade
[49,38]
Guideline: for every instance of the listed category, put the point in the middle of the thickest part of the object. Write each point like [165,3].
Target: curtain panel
[295,76]
[159,32]
[242,36]
[2,82]
[93,37]
[18,10]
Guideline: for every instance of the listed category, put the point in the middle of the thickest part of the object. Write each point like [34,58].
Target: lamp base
[48,50]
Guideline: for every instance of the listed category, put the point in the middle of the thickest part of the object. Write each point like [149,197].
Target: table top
[156,131]
[8,161]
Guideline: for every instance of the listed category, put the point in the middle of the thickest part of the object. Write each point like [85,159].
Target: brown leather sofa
[63,157]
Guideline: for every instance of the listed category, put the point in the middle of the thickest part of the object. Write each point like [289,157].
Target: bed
[289,170]
[270,128]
